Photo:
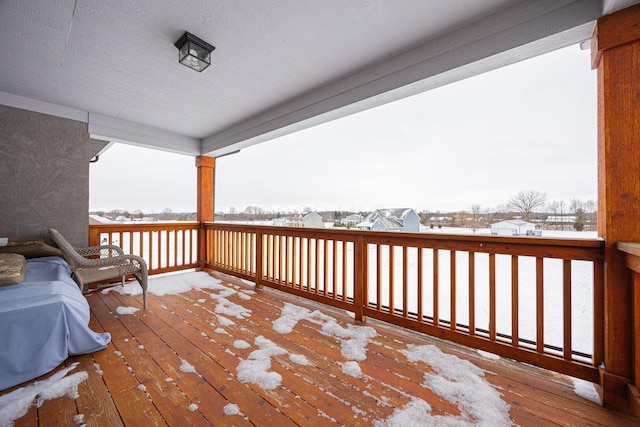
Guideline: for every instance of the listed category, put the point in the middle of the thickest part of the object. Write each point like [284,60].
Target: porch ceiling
[279,66]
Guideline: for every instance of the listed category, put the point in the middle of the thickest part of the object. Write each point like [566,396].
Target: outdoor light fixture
[194,52]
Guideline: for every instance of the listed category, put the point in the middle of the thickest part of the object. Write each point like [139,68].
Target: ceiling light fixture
[193,52]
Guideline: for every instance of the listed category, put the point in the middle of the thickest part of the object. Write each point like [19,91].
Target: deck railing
[536,300]
[166,246]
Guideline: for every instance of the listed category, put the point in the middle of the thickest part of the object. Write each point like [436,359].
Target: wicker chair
[97,263]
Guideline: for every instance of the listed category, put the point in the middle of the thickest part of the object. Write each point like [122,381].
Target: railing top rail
[629,248]
[579,249]
[146,226]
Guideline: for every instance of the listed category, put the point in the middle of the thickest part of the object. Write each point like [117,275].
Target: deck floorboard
[142,377]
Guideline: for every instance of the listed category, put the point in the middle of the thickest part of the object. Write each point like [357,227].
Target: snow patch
[231,309]
[459,382]
[224,321]
[232,409]
[416,414]
[586,390]
[126,310]
[142,387]
[244,296]
[241,344]
[79,419]
[299,359]
[193,407]
[255,369]
[187,367]
[354,339]
[352,369]
[221,331]
[98,369]
[488,355]
[15,404]
[173,284]
[291,314]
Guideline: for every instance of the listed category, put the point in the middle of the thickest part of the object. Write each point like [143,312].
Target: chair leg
[142,278]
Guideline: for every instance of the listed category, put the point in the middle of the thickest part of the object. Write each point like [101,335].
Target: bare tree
[557,219]
[527,202]
[500,212]
[552,220]
[477,218]
[591,210]
[590,206]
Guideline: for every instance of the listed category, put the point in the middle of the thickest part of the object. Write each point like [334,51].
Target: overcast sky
[529,126]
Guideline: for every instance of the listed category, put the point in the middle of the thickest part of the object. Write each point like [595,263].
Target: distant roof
[513,221]
[97,219]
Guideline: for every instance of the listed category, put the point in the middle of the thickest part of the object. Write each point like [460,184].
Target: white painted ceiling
[279,65]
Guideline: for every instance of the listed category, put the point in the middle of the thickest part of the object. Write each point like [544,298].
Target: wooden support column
[615,50]
[206,201]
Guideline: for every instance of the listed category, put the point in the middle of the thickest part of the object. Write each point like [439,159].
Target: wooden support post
[94,236]
[206,201]
[615,49]
[259,259]
[360,259]
[631,253]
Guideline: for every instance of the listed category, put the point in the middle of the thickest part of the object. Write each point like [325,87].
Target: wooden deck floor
[138,380]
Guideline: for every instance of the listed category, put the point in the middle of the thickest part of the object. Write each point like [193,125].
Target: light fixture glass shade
[194,52]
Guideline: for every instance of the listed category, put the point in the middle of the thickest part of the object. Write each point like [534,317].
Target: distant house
[312,220]
[391,220]
[289,221]
[97,219]
[512,227]
[352,220]
[567,219]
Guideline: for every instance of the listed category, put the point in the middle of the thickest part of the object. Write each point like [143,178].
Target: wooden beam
[206,187]
[205,201]
[616,55]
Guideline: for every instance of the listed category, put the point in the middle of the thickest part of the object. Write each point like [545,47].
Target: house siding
[312,220]
[411,222]
[44,175]
[509,228]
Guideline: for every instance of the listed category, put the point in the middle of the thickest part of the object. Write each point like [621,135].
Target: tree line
[530,205]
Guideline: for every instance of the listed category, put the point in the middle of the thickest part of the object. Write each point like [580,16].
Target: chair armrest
[112,261]
[102,251]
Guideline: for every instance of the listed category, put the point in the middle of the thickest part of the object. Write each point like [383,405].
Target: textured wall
[44,175]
